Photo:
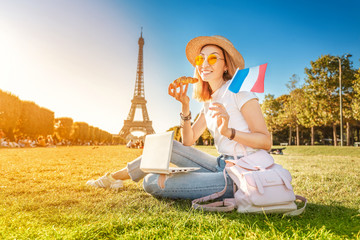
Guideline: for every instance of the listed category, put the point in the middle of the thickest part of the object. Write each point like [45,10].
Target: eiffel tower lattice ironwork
[138,102]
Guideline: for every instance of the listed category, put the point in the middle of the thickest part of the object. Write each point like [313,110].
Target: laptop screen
[157,152]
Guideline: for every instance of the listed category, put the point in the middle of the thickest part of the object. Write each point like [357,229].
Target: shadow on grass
[336,219]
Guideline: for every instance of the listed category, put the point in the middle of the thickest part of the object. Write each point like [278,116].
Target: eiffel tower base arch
[132,126]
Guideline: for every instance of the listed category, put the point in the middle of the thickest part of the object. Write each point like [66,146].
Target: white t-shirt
[233,103]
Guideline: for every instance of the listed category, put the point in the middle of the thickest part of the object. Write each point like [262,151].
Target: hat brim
[195,45]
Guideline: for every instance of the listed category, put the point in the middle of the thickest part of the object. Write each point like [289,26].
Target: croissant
[185,80]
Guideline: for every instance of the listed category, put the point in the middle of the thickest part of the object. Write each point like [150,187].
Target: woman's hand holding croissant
[182,83]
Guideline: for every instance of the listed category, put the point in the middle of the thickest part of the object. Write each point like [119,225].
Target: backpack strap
[300,210]
[242,148]
[242,164]
[258,183]
[285,180]
[226,205]
[240,161]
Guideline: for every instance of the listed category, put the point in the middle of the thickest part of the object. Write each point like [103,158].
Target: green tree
[10,112]
[63,127]
[46,123]
[322,86]
[207,137]
[80,132]
[347,80]
[283,121]
[92,134]
[310,116]
[355,105]
[291,107]
[177,133]
[35,121]
[270,108]
[83,131]
[96,135]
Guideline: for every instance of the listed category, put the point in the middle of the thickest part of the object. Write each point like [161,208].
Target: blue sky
[79,58]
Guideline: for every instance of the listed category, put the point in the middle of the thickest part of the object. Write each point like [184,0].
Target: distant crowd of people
[135,144]
[22,142]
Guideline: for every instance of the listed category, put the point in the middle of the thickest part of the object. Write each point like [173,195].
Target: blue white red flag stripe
[249,79]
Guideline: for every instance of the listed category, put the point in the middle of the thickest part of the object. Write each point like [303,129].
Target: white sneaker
[106,181]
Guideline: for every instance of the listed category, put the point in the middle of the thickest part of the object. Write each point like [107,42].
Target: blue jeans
[207,180]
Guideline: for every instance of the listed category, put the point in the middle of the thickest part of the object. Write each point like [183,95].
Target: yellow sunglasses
[211,59]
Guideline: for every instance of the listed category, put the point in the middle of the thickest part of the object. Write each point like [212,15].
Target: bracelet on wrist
[185,118]
[233,132]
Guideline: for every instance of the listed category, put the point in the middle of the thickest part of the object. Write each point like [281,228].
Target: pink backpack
[262,187]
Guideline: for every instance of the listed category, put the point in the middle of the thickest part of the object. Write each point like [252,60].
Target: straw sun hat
[195,45]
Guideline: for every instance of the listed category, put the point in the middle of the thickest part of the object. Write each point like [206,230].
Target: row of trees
[66,128]
[310,113]
[24,118]
[312,110]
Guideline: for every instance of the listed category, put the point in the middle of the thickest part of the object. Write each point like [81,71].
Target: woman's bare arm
[191,133]
[259,137]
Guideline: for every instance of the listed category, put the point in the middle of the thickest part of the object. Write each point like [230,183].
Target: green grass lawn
[43,196]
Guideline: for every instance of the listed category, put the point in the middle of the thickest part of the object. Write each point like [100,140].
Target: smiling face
[212,73]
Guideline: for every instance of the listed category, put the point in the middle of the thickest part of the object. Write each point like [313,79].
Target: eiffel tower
[138,101]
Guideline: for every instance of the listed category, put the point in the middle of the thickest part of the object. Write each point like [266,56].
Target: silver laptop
[157,154]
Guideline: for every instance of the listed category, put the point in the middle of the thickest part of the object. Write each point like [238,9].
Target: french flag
[249,79]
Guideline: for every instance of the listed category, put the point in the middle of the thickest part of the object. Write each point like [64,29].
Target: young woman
[233,120]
